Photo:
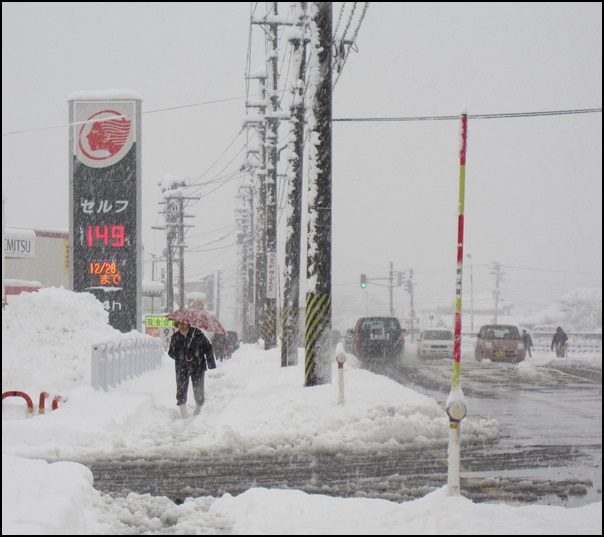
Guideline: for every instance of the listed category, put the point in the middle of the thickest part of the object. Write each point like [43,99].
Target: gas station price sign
[105,216]
[107,270]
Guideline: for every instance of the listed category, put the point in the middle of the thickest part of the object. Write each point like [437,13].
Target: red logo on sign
[105,137]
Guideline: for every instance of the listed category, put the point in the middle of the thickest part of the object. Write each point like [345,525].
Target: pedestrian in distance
[219,342]
[559,342]
[528,343]
[193,355]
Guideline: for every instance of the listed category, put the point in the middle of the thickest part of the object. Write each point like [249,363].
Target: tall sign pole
[105,200]
[455,405]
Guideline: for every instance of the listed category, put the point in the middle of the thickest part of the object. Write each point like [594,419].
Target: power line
[62,126]
[340,48]
[551,270]
[474,116]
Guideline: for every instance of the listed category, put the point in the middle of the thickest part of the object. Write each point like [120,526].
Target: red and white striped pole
[455,406]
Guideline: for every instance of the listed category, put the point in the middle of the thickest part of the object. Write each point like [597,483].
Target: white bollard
[340,358]
[456,410]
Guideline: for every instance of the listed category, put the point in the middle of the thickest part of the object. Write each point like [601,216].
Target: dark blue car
[378,337]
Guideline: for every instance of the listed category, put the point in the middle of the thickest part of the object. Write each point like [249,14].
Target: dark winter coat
[560,338]
[193,350]
[219,342]
[527,340]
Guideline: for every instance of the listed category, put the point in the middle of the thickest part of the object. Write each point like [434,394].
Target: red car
[499,343]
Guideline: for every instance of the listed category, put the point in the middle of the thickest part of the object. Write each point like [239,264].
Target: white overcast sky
[533,185]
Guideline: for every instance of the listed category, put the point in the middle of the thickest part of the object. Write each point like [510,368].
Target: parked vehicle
[435,343]
[499,343]
[378,337]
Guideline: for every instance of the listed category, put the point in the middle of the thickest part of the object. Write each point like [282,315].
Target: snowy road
[396,476]
[550,416]
[550,452]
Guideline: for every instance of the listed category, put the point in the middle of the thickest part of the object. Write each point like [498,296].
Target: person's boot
[183,411]
[197,410]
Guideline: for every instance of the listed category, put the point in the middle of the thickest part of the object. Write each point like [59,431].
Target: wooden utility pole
[269,332]
[291,302]
[318,360]
[258,202]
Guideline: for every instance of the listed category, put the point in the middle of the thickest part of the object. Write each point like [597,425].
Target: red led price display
[108,235]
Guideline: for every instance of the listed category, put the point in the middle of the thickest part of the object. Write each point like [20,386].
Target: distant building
[35,258]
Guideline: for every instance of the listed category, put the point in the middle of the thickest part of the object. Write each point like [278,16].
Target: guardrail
[116,361]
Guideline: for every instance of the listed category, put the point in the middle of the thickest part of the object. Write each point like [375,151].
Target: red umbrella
[198,318]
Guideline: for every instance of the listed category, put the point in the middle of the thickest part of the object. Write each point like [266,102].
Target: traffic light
[363,281]
[401,278]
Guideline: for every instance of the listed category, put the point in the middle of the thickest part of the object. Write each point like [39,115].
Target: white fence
[578,342]
[116,361]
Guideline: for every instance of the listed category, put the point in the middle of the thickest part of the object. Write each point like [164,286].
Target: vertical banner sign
[105,184]
[271,275]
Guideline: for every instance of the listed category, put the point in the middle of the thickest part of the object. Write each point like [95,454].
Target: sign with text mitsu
[105,188]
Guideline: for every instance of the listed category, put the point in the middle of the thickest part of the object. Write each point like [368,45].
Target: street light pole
[469,256]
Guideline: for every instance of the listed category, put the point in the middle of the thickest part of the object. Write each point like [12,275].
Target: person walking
[193,354]
[559,342]
[528,343]
[219,342]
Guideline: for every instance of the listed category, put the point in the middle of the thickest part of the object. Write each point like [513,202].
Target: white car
[435,343]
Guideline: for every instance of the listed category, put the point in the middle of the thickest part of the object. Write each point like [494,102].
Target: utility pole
[171,218]
[258,215]
[410,289]
[412,305]
[496,271]
[291,292]
[246,236]
[154,259]
[271,116]
[318,357]
[241,281]
[181,254]
[218,286]
[270,310]
[173,189]
[390,288]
